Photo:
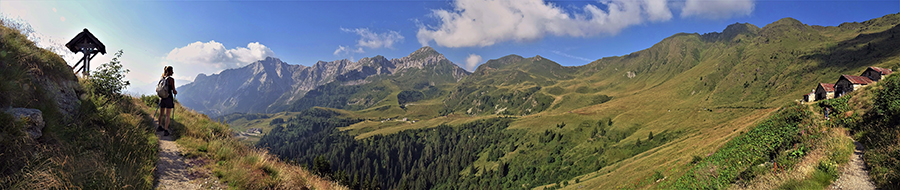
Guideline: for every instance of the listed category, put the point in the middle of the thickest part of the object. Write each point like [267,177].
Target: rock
[33,119]
[64,93]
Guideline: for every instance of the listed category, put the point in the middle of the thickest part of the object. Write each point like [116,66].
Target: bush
[599,99]
[887,100]
[109,78]
[150,100]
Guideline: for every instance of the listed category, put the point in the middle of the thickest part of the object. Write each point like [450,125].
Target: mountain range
[270,85]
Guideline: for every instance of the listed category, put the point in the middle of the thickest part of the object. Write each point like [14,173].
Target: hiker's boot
[159,128]
[166,133]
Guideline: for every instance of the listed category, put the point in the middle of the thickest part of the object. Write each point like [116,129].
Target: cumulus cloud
[717,9]
[212,57]
[486,22]
[374,40]
[472,61]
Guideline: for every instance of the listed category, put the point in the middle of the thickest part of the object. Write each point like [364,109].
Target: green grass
[820,179]
[234,162]
[771,136]
[105,143]
[876,128]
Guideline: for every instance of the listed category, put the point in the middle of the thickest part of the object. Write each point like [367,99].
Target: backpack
[162,88]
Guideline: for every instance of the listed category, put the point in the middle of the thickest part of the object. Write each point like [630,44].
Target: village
[846,84]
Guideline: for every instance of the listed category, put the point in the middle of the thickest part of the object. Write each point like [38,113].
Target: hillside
[625,121]
[66,132]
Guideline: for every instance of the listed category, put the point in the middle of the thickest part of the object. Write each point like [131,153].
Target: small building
[876,73]
[806,97]
[849,83]
[254,131]
[824,91]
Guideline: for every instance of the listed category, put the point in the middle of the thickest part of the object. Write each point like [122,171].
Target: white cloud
[472,61]
[212,57]
[717,9]
[347,50]
[375,40]
[486,22]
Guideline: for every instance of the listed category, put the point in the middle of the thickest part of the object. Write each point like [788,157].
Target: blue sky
[210,36]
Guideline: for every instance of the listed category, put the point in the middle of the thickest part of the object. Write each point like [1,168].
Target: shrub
[773,135]
[109,78]
[887,100]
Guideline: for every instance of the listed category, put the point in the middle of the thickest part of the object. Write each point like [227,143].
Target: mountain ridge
[272,83]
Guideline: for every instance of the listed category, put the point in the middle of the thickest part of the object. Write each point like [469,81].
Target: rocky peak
[732,31]
[740,28]
[421,58]
[424,52]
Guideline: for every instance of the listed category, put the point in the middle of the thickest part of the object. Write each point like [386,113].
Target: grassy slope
[235,163]
[104,146]
[794,75]
[708,88]
[713,90]
[110,144]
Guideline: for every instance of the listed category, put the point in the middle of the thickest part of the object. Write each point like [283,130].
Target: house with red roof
[824,91]
[849,83]
[876,73]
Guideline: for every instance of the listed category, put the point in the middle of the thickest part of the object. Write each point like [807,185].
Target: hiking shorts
[167,102]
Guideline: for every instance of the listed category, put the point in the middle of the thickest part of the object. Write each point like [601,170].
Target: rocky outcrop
[32,118]
[65,93]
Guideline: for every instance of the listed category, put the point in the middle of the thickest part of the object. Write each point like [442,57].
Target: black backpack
[162,88]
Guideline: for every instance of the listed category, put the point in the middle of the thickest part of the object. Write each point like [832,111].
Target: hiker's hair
[167,71]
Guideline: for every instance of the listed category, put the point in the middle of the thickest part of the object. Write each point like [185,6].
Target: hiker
[168,103]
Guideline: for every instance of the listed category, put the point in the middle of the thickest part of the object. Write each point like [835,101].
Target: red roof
[827,87]
[856,79]
[883,71]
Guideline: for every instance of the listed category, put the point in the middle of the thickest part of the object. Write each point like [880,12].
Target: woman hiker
[167,104]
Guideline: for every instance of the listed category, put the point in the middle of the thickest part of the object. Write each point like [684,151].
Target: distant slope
[510,85]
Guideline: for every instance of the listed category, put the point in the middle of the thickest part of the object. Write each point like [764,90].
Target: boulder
[33,119]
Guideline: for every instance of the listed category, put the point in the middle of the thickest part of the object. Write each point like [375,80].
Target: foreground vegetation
[107,141]
[234,163]
[875,122]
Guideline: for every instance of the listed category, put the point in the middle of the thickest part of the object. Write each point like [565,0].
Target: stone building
[824,91]
[849,83]
[876,73]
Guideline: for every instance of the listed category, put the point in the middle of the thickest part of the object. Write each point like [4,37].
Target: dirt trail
[171,169]
[856,174]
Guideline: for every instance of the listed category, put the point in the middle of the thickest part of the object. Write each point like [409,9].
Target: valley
[641,120]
